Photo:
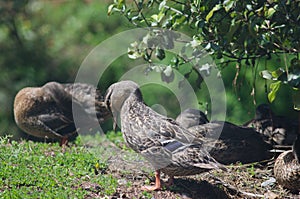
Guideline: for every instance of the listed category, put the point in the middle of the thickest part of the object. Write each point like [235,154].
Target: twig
[175,10]
[141,12]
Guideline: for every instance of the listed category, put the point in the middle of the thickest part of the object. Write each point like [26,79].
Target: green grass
[45,170]
[84,170]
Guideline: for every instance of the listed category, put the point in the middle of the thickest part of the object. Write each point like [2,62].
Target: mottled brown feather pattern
[165,144]
[287,168]
[47,111]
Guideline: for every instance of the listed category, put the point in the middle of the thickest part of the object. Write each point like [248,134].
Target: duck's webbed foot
[157,185]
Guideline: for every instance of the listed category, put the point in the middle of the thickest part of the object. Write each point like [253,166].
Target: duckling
[46,112]
[287,168]
[277,130]
[169,147]
[235,144]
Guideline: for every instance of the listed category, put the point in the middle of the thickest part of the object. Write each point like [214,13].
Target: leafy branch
[229,30]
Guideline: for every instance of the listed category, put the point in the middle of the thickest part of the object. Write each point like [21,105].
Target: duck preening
[48,111]
[169,147]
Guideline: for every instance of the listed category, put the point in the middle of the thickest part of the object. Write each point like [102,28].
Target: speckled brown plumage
[277,130]
[169,147]
[46,111]
[235,144]
[287,168]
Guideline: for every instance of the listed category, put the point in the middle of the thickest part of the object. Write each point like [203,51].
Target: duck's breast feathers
[287,171]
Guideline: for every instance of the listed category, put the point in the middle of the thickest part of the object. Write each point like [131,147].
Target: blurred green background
[45,41]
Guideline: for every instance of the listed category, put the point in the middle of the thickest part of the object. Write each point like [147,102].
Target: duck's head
[117,94]
[191,117]
[263,111]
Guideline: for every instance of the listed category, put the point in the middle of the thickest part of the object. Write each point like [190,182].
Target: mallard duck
[169,147]
[46,112]
[235,144]
[278,130]
[287,168]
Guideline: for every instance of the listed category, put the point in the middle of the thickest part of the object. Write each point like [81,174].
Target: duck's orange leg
[157,185]
[64,141]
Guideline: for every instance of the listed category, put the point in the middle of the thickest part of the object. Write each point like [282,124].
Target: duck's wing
[231,143]
[195,155]
[150,125]
[57,124]
[173,144]
[168,130]
[180,155]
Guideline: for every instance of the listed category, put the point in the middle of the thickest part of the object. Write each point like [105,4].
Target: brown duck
[169,147]
[287,168]
[277,130]
[46,112]
[235,144]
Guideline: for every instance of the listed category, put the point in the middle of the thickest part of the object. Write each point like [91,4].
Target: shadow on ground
[198,189]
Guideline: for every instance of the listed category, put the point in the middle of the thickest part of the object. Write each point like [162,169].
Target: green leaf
[168,75]
[117,6]
[277,73]
[120,3]
[211,13]
[270,12]
[266,74]
[168,71]
[180,20]
[158,18]
[274,88]
[132,54]
[162,5]
[228,4]
[110,9]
